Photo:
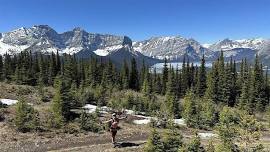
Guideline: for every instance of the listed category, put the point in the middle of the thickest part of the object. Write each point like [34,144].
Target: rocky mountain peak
[171,47]
[127,41]
[78,29]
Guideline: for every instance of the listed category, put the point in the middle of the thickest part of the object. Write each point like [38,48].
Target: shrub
[26,118]
[24,91]
[45,94]
[154,143]
[132,100]
[192,109]
[170,140]
[87,96]
[194,145]
[238,126]
[2,105]
[72,128]
[54,120]
[163,120]
[89,122]
[2,114]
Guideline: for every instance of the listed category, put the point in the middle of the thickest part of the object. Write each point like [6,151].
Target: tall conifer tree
[201,79]
[134,80]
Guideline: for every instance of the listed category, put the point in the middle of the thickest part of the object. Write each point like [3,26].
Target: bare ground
[18,142]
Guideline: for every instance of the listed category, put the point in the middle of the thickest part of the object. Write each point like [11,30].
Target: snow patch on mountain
[105,51]
[72,50]
[5,48]
[101,52]
[206,45]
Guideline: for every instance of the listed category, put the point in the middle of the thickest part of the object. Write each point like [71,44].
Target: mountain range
[44,39]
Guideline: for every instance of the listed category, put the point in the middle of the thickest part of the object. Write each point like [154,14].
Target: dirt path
[99,141]
[69,143]
[134,137]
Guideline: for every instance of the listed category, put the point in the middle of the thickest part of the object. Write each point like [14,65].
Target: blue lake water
[159,66]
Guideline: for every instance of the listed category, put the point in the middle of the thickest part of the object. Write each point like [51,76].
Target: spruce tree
[8,69]
[178,82]
[89,122]
[188,74]
[233,85]
[201,79]
[165,76]
[157,85]
[192,76]
[267,86]
[35,68]
[210,147]
[125,75]
[171,98]
[172,140]
[68,69]
[260,99]
[244,97]
[142,72]
[134,80]
[227,128]
[195,144]
[31,78]
[26,118]
[52,69]
[249,130]
[92,75]
[212,84]
[42,71]
[147,84]
[154,143]
[208,113]
[191,109]
[222,95]
[57,106]
[184,78]
[1,68]
[17,76]
[228,81]
[108,75]
[57,63]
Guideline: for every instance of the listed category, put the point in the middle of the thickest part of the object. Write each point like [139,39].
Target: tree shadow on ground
[127,144]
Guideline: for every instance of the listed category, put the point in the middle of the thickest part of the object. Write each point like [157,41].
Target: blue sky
[204,20]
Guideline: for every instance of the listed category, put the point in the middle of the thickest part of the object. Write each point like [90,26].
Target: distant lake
[208,64]
[159,66]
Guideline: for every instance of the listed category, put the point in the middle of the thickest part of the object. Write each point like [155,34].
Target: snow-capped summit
[42,38]
[239,49]
[228,44]
[173,48]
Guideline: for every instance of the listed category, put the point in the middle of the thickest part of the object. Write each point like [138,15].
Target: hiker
[113,124]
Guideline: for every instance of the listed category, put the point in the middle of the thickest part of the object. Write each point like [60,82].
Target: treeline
[246,88]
